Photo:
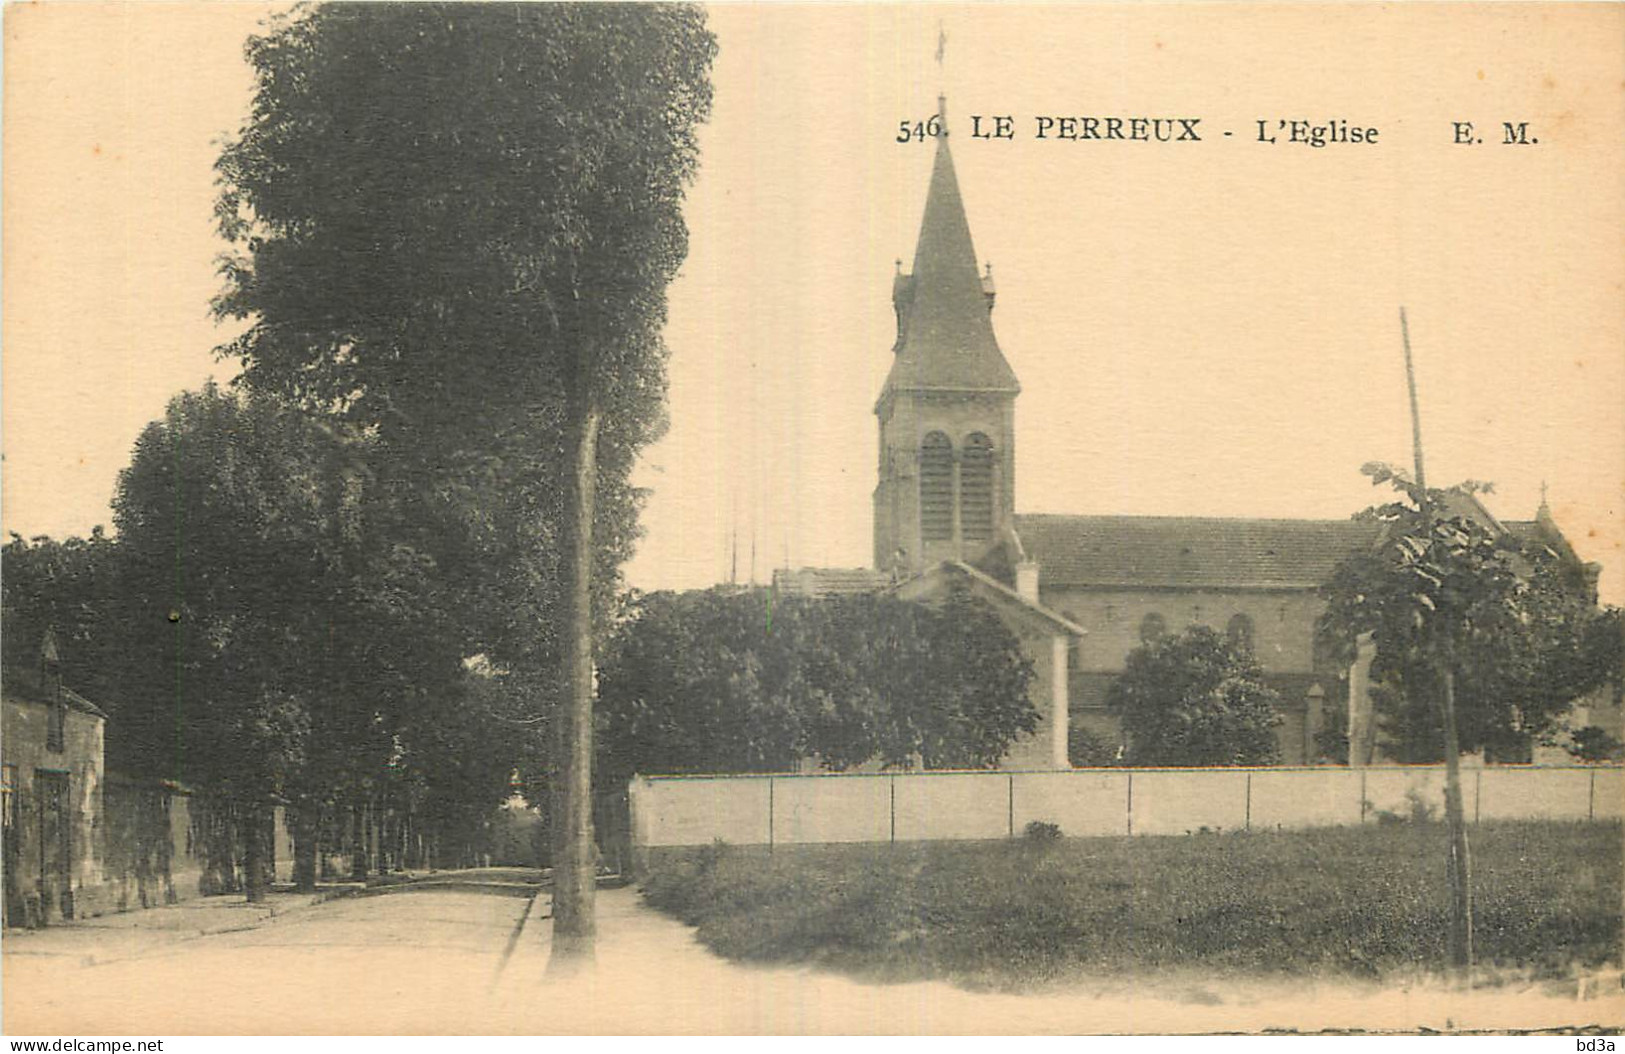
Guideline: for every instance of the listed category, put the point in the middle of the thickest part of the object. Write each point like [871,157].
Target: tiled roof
[829,581]
[946,338]
[1188,552]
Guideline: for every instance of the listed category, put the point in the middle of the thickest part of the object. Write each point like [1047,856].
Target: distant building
[1081,592]
[51,747]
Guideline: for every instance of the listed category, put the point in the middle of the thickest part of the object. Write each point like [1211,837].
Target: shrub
[1594,743]
[1195,699]
[1085,750]
[1418,810]
[1039,831]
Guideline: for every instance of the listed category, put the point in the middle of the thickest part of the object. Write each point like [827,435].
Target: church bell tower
[947,410]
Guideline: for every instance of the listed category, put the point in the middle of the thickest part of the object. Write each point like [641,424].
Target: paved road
[427,961]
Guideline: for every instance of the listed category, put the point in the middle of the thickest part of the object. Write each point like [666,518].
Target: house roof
[945,334]
[992,588]
[25,687]
[1185,552]
[829,581]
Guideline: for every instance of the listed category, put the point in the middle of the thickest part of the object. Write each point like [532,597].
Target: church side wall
[1283,640]
[1283,622]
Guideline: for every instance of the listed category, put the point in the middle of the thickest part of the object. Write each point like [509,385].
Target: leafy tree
[227,529]
[1476,634]
[1195,699]
[970,688]
[1512,621]
[70,587]
[454,228]
[728,681]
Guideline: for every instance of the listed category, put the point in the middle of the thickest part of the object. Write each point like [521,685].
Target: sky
[1200,328]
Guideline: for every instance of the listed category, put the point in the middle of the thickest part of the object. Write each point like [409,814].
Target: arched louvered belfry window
[976,488]
[936,488]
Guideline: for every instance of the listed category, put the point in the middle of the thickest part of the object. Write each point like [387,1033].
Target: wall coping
[1110,769]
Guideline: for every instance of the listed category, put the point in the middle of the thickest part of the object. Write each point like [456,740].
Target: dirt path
[427,961]
[654,977]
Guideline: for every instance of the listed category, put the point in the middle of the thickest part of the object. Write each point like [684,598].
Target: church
[1080,592]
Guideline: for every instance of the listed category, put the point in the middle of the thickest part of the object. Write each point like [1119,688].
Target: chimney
[50,663]
[1027,580]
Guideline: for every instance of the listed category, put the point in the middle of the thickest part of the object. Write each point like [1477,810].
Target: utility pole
[1459,870]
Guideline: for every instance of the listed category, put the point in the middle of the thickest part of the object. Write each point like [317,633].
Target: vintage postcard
[764,518]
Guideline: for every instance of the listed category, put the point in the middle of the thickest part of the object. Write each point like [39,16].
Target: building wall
[23,725]
[1283,641]
[670,812]
[154,853]
[160,843]
[1283,622]
[133,843]
[1045,748]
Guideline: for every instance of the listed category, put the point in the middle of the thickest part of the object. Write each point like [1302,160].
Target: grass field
[1367,902]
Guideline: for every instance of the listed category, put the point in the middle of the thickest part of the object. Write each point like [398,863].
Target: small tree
[1509,620]
[1195,699]
[1476,636]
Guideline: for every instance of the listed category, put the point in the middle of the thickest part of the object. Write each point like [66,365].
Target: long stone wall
[669,811]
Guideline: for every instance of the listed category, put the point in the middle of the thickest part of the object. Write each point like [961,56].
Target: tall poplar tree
[453,226]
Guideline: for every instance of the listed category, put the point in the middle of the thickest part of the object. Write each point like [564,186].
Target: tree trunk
[1460,863]
[306,820]
[358,845]
[253,854]
[574,872]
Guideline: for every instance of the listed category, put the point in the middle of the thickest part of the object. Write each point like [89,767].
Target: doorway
[55,843]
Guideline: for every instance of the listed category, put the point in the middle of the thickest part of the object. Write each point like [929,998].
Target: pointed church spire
[944,333]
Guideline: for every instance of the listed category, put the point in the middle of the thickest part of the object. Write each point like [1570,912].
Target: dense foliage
[453,226]
[741,681]
[71,588]
[1511,618]
[449,220]
[450,230]
[1195,699]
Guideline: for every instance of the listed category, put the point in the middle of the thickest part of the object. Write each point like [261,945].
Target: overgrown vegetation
[1364,902]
